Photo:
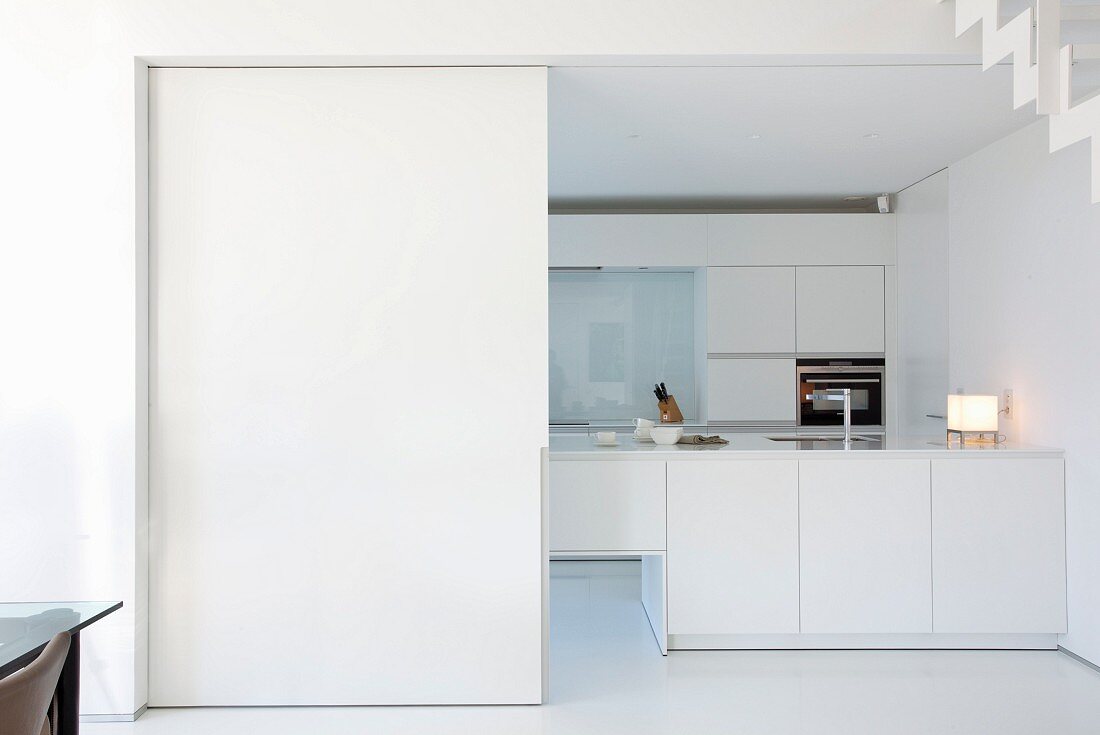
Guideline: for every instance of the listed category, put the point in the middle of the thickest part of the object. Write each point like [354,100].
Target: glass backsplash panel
[612,336]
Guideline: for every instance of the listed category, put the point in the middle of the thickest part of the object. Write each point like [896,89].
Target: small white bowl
[666,434]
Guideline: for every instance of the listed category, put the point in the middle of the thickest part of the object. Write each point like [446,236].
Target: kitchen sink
[820,439]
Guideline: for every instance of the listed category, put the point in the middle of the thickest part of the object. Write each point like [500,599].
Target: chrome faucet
[837,394]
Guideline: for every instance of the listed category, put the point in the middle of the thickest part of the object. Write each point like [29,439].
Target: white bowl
[666,434]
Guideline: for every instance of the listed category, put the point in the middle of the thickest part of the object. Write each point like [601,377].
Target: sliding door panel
[348,385]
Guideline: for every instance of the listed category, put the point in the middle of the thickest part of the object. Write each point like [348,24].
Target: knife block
[670,412]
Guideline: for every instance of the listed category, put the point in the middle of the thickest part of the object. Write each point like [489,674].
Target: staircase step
[1040,28]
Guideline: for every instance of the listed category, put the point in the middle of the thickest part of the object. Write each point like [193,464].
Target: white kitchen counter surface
[757,446]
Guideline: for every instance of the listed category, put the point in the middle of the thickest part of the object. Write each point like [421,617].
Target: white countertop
[758,446]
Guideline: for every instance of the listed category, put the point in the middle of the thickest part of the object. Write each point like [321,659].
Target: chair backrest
[26,695]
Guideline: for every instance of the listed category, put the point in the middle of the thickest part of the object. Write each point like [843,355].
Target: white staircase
[1042,65]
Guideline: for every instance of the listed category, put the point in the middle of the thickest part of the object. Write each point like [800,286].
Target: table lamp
[973,416]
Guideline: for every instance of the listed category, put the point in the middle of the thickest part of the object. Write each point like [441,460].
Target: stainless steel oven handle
[840,369]
[840,380]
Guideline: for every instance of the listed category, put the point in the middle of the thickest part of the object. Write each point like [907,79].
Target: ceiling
[765,137]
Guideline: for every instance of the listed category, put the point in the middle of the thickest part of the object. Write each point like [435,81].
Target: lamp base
[975,437]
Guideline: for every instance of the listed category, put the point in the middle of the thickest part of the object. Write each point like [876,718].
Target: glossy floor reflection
[608,677]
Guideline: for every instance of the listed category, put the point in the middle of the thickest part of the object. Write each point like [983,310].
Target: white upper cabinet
[865,538]
[998,546]
[800,239]
[750,310]
[841,309]
[628,240]
[698,240]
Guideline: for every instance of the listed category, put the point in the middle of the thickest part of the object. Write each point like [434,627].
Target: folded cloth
[700,439]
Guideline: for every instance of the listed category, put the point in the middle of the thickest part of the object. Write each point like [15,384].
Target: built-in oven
[864,377]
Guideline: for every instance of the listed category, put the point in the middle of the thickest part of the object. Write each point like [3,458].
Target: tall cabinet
[750,315]
[923,239]
[750,310]
[760,319]
[840,309]
[782,286]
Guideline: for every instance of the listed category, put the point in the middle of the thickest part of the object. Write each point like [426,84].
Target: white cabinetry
[921,367]
[758,390]
[631,240]
[800,239]
[733,547]
[998,546]
[907,548]
[750,310]
[865,539]
[841,309]
[607,506]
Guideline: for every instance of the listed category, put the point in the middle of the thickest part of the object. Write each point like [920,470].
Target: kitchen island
[894,543]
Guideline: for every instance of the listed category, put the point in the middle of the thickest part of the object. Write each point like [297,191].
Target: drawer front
[607,506]
[752,390]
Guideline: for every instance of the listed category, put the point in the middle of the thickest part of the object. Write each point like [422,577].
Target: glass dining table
[26,628]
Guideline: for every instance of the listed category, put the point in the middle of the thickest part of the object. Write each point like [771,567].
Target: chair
[25,696]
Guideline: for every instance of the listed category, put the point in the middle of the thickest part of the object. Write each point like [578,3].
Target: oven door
[866,398]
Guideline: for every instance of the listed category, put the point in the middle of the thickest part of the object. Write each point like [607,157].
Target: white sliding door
[349,385]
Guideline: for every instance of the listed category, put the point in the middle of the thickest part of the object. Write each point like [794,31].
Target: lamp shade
[971,413]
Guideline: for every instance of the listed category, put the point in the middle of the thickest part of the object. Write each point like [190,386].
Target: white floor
[607,677]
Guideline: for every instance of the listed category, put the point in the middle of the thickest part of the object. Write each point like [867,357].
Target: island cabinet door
[865,542]
[998,546]
[607,506]
[733,547]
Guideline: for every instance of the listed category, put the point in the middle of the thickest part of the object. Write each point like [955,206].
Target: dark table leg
[68,692]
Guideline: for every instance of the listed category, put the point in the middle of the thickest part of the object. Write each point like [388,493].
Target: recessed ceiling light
[855,199]
[871,136]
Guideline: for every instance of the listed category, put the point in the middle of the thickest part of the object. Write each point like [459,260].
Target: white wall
[1023,272]
[922,304]
[72,392]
